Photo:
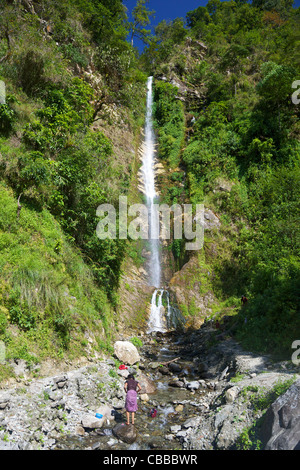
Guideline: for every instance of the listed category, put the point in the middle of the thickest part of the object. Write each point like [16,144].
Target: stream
[174,402]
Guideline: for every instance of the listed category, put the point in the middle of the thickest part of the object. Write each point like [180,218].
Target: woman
[131,387]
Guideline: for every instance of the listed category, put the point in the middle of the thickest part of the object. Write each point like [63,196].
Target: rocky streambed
[202,384]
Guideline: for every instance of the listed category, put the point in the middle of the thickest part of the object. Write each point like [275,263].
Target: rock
[91,422]
[210,220]
[79,431]
[144,397]
[223,185]
[148,386]
[175,429]
[126,352]
[175,367]
[107,412]
[223,373]
[163,370]
[182,433]
[20,367]
[123,373]
[126,433]
[61,384]
[179,408]
[222,415]
[4,403]
[154,365]
[202,383]
[231,394]
[112,442]
[176,383]
[60,380]
[191,422]
[155,442]
[96,446]
[193,385]
[281,426]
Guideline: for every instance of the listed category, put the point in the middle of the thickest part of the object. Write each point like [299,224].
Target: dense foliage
[67,65]
[242,60]
[225,119]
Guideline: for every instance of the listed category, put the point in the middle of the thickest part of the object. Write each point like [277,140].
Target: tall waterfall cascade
[162,315]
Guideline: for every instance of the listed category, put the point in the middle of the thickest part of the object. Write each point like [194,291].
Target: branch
[5,57]
[169,362]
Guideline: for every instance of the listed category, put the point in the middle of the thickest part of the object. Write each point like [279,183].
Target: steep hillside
[69,133]
[70,140]
[229,137]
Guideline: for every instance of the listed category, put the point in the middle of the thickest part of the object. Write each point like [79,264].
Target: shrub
[7,117]
[137,342]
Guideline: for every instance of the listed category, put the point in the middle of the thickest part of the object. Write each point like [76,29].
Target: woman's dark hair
[130,376]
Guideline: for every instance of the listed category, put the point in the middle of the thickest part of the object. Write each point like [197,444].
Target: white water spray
[163,316]
[156,321]
[148,172]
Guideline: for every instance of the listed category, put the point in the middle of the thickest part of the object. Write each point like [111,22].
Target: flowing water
[148,172]
[162,316]
[163,322]
[156,320]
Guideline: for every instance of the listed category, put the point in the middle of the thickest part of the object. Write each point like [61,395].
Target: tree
[275,87]
[199,15]
[212,6]
[141,18]
[277,5]
[171,30]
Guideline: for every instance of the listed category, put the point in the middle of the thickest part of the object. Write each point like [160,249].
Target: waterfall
[156,321]
[148,172]
[163,316]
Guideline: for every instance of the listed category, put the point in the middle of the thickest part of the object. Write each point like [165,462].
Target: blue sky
[170,9]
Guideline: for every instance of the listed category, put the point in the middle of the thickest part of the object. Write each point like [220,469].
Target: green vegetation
[235,65]
[228,136]
[70,74]
[47,291]
[260,401]
[169,120]
[137,342]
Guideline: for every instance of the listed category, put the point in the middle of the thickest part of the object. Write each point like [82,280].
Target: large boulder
[90,422]
[124,432]
[126,352]
[281,427]
[148,386]
[107,412]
